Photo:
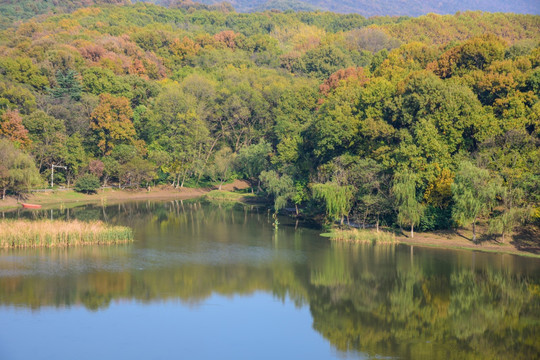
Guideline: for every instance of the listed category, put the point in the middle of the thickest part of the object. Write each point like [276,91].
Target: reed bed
[56,233]
[363,236]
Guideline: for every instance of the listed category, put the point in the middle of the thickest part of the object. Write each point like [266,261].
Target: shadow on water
[389,300]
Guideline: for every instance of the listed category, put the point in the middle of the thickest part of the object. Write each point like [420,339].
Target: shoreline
[485,249]
[457,240]
[108,196]
[461,239]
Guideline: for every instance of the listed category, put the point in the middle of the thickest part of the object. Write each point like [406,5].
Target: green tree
[280,187]
[23,70]
[473,191]
[511,212]
[98,81]
[409,209]
[67,84]
[337,199]
[300,194]
[110,169]
[16,97]
[188,140]
[135,172]
[252,160]
[75,157]
[88,183]
[18,172]
[335,129]
[323,61]
[48,136]
[222,166]
[373,198]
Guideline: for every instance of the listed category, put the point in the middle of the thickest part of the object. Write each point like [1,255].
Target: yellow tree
[111,123]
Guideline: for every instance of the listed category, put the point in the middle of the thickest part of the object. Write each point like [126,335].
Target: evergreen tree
[68,84]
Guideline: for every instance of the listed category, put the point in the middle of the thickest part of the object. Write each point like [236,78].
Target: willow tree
[337,198]
[474,193]
[513,211]
[409,209]
[280,187]
[18,172]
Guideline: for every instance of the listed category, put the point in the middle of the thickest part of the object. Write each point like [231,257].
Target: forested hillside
[432,122]
[383,7]
[14,10]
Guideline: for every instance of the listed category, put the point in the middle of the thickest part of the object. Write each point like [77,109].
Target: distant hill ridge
[386,7]
[14,10]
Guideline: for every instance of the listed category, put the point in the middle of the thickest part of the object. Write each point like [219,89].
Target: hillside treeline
[428,122]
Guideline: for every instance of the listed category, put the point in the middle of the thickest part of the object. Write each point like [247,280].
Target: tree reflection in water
[382,300]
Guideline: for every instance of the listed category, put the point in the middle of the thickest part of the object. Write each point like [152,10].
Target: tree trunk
[208,155]
[183,179]
[474,231]
[296,208]
[412,231]
[377,224]
[3,193]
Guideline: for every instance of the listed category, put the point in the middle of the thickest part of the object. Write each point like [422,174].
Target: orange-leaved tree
[11,127]
[111,123]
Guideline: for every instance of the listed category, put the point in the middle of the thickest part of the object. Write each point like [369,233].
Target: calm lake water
[205,281]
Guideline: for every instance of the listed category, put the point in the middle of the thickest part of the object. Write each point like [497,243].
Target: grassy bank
[49,233]
[362,236]
[229,196]
[52,199]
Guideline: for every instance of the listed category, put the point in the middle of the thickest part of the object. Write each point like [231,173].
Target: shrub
[87,183]
[435,218]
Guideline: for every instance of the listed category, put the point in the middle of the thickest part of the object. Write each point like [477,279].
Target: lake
[209,281]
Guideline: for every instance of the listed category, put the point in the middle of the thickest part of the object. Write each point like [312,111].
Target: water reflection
[380,300]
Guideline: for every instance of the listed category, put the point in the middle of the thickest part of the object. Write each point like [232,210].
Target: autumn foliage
[111,122]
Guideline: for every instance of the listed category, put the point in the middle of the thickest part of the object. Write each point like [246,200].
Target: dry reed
[56,233]
[363,236]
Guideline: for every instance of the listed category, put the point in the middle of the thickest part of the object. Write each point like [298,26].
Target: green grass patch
[227,196]
[57,233]
[59,195]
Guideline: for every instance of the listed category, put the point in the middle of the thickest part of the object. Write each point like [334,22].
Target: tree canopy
[308,106]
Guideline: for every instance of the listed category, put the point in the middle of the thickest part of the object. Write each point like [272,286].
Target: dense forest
[427,122]
[13,10]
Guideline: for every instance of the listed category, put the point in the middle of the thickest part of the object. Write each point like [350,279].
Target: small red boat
[31,206]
